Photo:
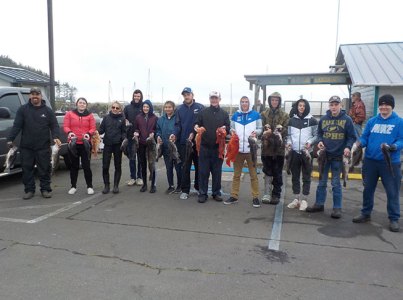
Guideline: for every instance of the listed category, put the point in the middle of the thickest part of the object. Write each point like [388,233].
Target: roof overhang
[342,78]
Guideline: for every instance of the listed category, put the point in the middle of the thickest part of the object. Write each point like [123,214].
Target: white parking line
[274,241]
[51,214]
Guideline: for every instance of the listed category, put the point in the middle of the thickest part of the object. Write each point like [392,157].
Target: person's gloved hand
[10,145]
[71,135]
[86,136]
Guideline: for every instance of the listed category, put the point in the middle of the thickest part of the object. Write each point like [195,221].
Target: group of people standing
[295,133]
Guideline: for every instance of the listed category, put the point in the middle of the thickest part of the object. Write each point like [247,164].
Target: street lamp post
[51,55]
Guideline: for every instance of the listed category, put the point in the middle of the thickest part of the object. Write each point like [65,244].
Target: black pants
[75,164]
[185,166]
[298,165]
[106,161]
[210,163]
[142,156]
[40,158]
[273,166]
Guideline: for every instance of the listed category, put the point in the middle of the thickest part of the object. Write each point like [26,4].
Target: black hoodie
[37,124]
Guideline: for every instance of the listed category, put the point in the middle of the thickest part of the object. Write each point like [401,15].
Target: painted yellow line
[354,176]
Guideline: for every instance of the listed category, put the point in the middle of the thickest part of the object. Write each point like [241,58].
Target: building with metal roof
[373,69]
[19,77]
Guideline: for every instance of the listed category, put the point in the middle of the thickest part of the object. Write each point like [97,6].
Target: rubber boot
[268,187]
[106,189]
[116,180]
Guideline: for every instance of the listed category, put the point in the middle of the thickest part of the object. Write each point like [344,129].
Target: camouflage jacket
[274,118]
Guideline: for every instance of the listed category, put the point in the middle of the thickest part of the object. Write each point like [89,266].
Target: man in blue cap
[185,119]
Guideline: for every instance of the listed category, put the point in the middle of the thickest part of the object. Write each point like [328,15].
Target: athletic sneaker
[294,204]
[178,190]
[256,202]
[230,200]
[184,196]
[303,205]
[131,182]
[90,191]
[266,198]
[170,190]
[72,191]
[139,181]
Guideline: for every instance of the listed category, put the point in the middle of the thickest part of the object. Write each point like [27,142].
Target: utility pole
[51,55]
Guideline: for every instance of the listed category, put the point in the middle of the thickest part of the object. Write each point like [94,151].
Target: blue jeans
[209,162]
[335,166]
[170,164]
[132,162]
[371,171]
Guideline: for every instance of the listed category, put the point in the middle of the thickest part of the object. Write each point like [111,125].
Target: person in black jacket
[130,112]
[211,118]
[114,128]
[38,125]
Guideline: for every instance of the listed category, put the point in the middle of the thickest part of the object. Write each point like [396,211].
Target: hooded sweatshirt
[336,133]
[130,112]
[37,124]
[145,123]
[79,123]
[302,129]
[244,123]
[273,117]
[379,130]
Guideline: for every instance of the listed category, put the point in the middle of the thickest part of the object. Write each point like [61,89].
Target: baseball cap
[335,99]
[35,90]
[187,90]
[215,94]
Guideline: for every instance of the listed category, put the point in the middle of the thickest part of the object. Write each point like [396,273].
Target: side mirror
[5,113]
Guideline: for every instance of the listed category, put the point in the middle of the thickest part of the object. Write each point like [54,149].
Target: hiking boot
[170,190]
[184,196]
[255,202]
[153,189]
[336,214]
[46,194]
[231,200]
[28,195]
[303,205]
[274,200]
[115,189]
[294,204]
[131,182]
[217,198]
[394,226]
[315,208]
[202,199]
[139,182]
[106,189]
[361,219]
[143,188]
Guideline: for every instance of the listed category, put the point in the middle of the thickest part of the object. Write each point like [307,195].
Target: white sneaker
[72,191]
[139,181]
[303,205]
[131,182]
[184,196]
[294,204]
[90,191]
[266,198]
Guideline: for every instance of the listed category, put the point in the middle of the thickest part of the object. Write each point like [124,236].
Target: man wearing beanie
[382,136]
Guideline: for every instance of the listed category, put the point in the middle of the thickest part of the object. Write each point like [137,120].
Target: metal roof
[372,64]
[22,76]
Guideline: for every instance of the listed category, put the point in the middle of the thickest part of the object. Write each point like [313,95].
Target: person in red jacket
[79,125]
[145,126]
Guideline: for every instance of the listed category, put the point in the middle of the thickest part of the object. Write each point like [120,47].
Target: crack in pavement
[234,235]
[160,269]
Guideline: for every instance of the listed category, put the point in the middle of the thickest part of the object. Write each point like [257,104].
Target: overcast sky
[207,45]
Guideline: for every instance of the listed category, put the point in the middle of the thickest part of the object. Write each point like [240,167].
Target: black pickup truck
[11,98]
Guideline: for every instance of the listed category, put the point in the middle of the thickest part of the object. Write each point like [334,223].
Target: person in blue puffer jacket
[383,138]
[166,127]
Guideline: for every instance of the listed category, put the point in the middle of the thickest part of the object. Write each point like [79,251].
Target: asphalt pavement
[135,245]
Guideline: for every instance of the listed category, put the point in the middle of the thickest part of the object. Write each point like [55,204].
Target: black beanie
[387,99]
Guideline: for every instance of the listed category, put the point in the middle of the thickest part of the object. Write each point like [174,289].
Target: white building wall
[4,82]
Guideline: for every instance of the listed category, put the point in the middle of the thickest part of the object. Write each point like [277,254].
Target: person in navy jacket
[384,130]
